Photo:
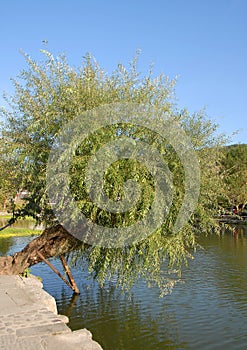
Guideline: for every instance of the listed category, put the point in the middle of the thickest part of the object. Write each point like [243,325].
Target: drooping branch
[54,241]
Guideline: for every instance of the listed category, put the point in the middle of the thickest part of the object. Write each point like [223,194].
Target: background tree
[235,174]
[48,95]
[9,184]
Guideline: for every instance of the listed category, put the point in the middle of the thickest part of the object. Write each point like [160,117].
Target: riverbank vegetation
[49,94]
[234,163]
[19,232]
[24,227]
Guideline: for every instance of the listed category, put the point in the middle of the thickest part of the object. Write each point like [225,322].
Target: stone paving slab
[29,320]
[77,340]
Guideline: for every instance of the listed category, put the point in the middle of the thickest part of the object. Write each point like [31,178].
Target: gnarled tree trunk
[54,241]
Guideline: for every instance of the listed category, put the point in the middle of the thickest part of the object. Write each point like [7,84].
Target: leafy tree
[48,95]
[9,184]
[235,174]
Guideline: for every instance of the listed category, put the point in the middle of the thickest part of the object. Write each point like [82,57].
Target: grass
[5,216]
[18,232]
[9,216]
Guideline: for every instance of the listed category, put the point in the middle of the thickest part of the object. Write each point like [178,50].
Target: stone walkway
[29,320]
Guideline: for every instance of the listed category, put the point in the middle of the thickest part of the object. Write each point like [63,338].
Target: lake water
[207,311]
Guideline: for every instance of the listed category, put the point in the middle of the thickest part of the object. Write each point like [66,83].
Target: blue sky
[203,42]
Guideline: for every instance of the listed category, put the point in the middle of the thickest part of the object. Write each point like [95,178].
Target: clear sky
[203,42]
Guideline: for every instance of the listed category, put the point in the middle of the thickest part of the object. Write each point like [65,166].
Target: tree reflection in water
[121,322]
[5,245]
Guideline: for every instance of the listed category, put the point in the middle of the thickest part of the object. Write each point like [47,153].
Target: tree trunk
[54,241]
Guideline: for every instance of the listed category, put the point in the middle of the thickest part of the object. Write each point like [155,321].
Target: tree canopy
[235,174]
[48,95]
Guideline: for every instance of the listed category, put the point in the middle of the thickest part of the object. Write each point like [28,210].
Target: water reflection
[10,245]
[123,322]
[228,262]
[5,245]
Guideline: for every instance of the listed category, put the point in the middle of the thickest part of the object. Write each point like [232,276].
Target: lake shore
[21,228]
[29,319]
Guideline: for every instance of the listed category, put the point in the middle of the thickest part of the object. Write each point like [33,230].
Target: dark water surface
[207,311]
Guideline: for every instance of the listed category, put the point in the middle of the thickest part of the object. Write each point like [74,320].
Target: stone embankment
[29,319]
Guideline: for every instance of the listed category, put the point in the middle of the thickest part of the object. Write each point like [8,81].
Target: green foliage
[18,232]
[235,173]
[9,183]
[48,95]
[26,273]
